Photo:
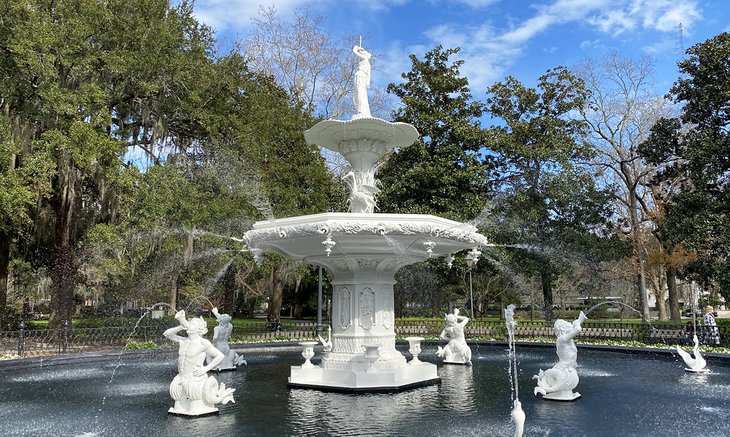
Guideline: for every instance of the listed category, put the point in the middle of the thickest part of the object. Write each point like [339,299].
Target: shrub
[132,345]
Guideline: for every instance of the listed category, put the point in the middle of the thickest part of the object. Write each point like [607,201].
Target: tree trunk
[4,270]
[636,234]
[673,294]
[63,275]
[661,306]
[298,299]
[277,292]
[229,291]
[174,293]
[547,295]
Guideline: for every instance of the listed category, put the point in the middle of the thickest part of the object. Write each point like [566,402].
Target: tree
[445,172]
[313,67]
[21,187]
[697,146]
[548,199]
[82,82]
[620,112]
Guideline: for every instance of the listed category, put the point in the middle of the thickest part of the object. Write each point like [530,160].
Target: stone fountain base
[703,370]
[361,376]
[193,408]
[563,395]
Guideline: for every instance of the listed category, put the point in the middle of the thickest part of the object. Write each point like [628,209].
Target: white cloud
[595,44]
[656,15]
[489,52]
[237,14]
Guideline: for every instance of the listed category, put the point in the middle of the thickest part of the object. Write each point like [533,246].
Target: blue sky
[498,38]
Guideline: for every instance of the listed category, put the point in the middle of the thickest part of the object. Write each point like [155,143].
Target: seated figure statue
[558,383]
[220,340]
[195,393]
[456,351]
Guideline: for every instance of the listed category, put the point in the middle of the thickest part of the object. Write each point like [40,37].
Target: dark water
[623,395]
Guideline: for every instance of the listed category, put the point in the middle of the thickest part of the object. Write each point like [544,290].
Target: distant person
[688,333]
[712,333]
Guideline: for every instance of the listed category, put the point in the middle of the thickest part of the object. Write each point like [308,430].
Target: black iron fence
[80,337]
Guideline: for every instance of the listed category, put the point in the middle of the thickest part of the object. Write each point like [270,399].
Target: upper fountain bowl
[362,141]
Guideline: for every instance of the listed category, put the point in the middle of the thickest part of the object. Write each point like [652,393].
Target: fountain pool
[623,394]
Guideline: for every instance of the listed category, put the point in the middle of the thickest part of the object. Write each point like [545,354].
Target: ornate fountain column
[362,312]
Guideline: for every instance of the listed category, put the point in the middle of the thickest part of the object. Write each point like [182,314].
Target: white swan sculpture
[696,364]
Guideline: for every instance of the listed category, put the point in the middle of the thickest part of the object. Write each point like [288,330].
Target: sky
[498,38]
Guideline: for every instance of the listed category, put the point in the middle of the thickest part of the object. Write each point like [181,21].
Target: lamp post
[472,258]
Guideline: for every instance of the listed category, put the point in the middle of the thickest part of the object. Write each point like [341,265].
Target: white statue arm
[171,333]
[183,325]
[576,328]
[361,53]
[180,317]
[463,320]
[215,312]
[579,321]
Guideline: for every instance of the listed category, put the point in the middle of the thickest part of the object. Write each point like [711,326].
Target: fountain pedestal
[369,249]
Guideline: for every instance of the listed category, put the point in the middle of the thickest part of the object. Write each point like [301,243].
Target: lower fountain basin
[622,394]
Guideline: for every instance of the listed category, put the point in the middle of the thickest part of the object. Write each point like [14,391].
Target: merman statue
[456,351]
[221,332]
[558,383]
[195,393]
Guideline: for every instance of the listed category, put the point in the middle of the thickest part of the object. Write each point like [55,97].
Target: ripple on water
[137,389]
[51,374]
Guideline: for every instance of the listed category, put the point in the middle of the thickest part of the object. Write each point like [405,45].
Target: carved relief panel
[367,308]
[387,308]
[345,305]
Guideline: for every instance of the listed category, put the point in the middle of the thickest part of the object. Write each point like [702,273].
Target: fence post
[21,339]
[65,335]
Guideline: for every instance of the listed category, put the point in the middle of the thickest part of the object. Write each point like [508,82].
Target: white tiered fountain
[363,250]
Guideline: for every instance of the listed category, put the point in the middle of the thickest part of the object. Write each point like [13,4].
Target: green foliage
[695,149]
[548,198]
[137,345]
[445,172]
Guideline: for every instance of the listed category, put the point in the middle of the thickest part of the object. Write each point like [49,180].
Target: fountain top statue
[362,82]
[362,141]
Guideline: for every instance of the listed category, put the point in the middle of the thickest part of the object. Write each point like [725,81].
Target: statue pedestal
[459,363]
[360,376]
[192,408]
[562,395]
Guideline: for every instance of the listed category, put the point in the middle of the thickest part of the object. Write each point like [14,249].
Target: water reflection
[313,412]
[457,387]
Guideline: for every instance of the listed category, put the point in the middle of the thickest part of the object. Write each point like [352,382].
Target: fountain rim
[293,346]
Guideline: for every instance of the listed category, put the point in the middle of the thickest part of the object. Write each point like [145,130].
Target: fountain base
[226,369]
[703,370]
[192,409]
[562,395]
[361,376]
